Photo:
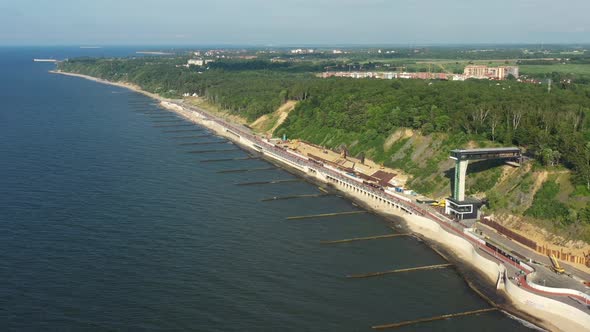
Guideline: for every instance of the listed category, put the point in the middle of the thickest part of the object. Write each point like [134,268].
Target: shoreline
[466,256]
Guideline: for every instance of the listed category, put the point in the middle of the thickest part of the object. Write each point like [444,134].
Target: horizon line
[295,45]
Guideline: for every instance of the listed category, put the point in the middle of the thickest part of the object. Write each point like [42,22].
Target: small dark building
[463,210]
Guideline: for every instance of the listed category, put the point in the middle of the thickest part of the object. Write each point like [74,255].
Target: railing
[564,291]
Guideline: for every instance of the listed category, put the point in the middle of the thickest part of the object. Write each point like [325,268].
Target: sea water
[108,223]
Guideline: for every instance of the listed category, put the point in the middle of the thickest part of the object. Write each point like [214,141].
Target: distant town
[472,71]
[497,73]
[525,65]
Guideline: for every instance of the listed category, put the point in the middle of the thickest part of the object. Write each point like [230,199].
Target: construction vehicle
[442,203]
[426,201]
[556,267]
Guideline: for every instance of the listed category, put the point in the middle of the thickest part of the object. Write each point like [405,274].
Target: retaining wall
[549,309]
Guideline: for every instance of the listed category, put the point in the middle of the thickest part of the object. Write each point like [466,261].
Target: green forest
[553,127]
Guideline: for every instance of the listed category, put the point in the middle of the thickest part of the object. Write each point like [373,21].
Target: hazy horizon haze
[298,22]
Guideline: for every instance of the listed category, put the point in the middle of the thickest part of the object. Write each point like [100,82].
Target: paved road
[529,253]
[544,275]
[544,272]
[552,280]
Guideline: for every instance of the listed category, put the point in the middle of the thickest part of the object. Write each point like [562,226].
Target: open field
[559,68]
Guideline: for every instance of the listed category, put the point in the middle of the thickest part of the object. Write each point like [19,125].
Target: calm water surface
[106,223]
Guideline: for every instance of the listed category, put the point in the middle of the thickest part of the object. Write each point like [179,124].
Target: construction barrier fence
[509,233]
[542,249]
[564,256]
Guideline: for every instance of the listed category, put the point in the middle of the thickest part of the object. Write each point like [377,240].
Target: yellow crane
[556,267]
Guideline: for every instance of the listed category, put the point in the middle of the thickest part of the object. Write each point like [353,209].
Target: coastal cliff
[426,227]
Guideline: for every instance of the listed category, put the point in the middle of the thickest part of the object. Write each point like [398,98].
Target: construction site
[573,274]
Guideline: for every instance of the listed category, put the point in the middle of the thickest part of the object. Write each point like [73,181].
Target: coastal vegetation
[366,116]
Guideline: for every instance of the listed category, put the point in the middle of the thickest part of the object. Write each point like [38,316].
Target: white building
[195,62]
[302,51]
[389,75]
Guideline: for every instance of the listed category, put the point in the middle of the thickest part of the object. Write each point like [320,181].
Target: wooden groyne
[246,170]
[432,319]
[325,215]
[213,150]
[148,112]
[206,143]
[228,159]
[267,182]
[145,111]
[168,121]
[181,130]
[411,269]
[174,125]
[279,198]
[194,136]
[443,256]
[478,292]
[365,238]
[165,117]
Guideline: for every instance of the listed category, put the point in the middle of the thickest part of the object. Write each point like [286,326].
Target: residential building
[495,73]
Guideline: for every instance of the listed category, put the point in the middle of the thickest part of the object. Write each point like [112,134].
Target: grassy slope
[511,190]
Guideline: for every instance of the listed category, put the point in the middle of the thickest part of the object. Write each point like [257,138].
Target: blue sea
[107,223]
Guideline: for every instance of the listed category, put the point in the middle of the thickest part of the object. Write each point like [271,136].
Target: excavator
[556,267]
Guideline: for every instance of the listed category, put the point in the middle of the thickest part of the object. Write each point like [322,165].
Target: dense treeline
[481,52]
[250,93]
[555,126]
[286,66]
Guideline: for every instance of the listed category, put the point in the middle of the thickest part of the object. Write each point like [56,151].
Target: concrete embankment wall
[556,313]
[559,314]
[553,312]
[458,245]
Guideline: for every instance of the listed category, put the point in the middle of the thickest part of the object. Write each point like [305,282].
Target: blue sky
[292,22]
